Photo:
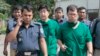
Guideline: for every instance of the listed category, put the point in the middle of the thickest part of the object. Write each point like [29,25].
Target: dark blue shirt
[28,38]
[61,21]
[10,26]
[87,22]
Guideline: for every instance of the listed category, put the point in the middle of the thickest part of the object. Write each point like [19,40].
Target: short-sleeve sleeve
[88,35]
[41,31]
[59,35]
[57,30]
[10,26]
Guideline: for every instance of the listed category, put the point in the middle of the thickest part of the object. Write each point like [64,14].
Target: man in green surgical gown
[74,37]
[50,28]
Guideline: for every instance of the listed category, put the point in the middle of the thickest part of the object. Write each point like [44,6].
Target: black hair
[16,7]
[43,6]
[71,8]
[81,8]
[58,8]
[27,7]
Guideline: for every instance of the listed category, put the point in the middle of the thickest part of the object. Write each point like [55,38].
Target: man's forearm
[8,37]
[12,35]
[43,46]
[90,48]
[5,44]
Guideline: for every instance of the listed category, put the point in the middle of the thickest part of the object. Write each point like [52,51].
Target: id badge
[27,53]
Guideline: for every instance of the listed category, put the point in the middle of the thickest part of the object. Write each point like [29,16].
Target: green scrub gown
[74,38]
[50,30]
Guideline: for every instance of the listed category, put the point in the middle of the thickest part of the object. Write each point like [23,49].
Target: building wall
[91,5]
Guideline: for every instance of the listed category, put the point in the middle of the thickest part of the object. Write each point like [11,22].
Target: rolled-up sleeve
[88,35]
[57,31]
[41,33]
[59,35]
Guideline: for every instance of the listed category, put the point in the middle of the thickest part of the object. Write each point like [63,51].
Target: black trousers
[35,53]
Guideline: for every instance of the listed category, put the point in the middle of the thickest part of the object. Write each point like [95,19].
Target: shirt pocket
[34,34]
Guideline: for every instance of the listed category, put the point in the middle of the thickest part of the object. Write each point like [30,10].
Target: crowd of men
[75,35]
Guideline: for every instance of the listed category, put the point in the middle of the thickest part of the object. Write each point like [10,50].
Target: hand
[63,47]
[19,22]
[5,52]
[45,55]
[89,54]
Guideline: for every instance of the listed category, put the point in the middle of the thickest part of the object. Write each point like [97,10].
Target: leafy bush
[3,16]
[3,30]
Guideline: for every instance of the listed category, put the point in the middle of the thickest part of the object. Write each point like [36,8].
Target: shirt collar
[14,18]
[84,20]
[60,20]
[31,24]
[47,20]
[44,23]
[76,25]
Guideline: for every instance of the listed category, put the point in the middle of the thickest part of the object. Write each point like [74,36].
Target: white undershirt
[76,25]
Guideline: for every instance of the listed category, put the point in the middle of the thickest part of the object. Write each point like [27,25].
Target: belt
[28,53]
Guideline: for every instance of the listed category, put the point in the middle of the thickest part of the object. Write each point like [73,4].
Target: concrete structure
[2,37]
[93,6]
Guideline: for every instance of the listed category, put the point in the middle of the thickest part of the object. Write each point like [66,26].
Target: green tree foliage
[4,9]
[4,6]
[34,3]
